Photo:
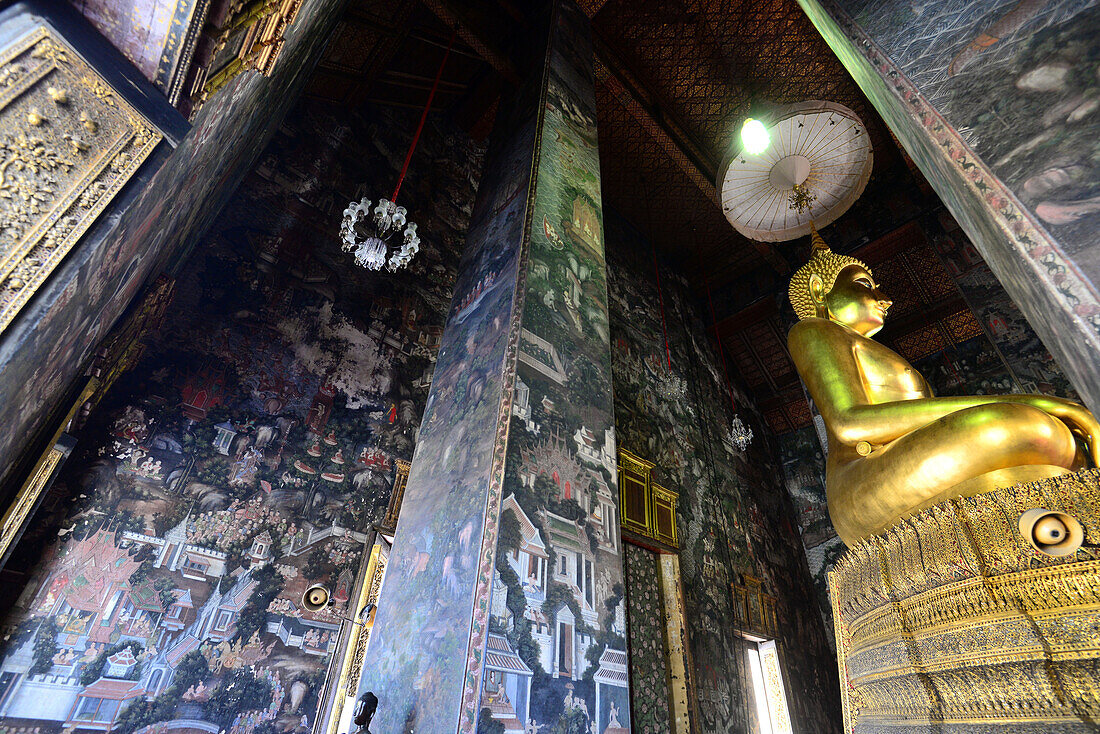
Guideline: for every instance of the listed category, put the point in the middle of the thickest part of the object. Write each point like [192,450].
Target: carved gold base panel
[67,145]
[952,621]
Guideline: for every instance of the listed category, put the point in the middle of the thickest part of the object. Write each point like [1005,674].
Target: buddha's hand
[1077,418]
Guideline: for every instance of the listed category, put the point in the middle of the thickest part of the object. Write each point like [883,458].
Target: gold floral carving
[647,510]
[374,588]
[952,621]
[675,638]
[777,703]
[250,36]
[630,462]
[393,510]
[349,661]
[67,145]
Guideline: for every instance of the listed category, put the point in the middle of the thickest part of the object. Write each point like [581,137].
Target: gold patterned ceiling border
[68,144]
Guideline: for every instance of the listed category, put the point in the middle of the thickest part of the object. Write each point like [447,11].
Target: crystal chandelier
[369,238]
[373,240]
[738,434]
[671,386]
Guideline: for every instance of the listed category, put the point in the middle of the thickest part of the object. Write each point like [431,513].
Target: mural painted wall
[428,594]
[45,351]
[993,101]
[507,557]
[150,33]
[1017,80]
[247,456]
[1024,358]
[566,621]
[733,517]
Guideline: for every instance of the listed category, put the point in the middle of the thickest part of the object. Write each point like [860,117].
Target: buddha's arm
[825,355]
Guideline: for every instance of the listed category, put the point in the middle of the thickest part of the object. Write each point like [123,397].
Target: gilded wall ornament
[68,143]
[19,511]
[359,652]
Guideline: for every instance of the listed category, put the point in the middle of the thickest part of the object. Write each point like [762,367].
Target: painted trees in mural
[556,650]
[247,456]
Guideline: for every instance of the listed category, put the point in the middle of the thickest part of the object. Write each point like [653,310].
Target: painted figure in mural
[895,448]
[614,716]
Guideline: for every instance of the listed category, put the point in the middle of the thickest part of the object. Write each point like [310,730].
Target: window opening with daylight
[767,687]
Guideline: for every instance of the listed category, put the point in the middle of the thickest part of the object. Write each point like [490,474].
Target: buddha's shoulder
[814,329]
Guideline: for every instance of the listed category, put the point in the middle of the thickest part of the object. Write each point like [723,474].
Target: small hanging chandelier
[369,240]
[738,434]
[671,386]
[373,240]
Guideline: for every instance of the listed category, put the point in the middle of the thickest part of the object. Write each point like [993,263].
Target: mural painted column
[996,103]
[503,598]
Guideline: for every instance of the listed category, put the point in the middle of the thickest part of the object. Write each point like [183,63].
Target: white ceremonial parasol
[816,166]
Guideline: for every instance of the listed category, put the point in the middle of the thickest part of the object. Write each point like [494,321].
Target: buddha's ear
[817,290]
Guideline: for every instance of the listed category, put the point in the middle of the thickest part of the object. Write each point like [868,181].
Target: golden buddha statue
[895,448]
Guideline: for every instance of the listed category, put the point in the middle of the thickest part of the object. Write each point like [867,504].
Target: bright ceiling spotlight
[754,136]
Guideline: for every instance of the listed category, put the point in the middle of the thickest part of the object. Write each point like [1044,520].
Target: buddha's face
[856,301]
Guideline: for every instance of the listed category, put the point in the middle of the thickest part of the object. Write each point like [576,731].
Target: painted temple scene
[549,367]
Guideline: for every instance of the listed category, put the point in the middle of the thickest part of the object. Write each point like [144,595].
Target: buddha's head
[839,288]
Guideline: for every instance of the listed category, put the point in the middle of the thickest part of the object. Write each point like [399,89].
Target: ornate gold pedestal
[952,621]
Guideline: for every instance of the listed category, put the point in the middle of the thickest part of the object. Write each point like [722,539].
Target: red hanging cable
[423,118]
[721,353]
[660,295]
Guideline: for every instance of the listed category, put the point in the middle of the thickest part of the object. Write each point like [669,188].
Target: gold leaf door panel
[68,143]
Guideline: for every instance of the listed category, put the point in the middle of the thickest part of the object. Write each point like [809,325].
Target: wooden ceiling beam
[688,155]
[391,32]
[475,37]
[591,7]
[417,81]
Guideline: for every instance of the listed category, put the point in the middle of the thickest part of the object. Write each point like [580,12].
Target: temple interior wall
[733,516]
[284,384]
[251,450]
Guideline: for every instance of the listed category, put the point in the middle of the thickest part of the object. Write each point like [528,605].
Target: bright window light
[754,136]
[768,693]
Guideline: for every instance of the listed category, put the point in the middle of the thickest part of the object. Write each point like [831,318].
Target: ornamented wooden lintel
[11,526]
[753,608]
[68,143]
[251,38]
[373,587]
[346,683]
